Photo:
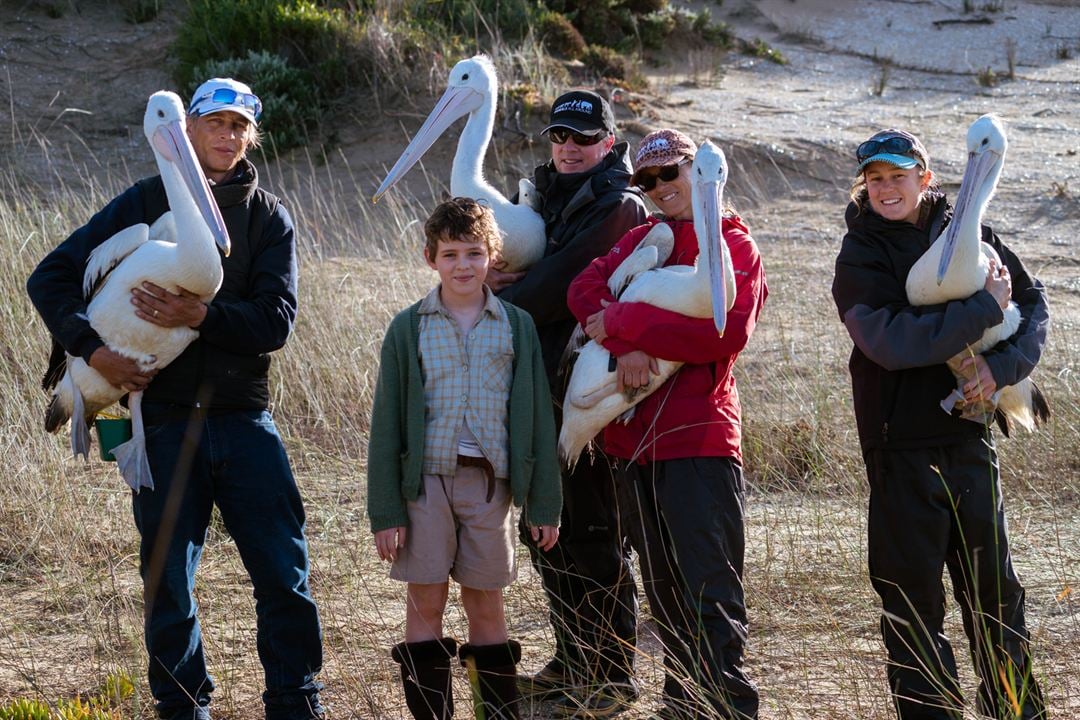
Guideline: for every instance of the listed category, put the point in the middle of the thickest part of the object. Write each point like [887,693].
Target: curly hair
[462,219]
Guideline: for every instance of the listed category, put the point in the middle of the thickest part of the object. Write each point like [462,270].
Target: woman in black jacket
[935,492]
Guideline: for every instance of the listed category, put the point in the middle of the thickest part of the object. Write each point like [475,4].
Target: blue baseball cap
[221,94]
[895,147]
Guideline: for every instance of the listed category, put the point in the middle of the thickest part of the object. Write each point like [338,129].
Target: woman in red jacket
[679,462]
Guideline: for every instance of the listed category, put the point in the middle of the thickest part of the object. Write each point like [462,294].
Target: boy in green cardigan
[461,428]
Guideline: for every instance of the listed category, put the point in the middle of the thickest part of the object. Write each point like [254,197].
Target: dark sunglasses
[227,96]
[559,136]
[893,145]
[667,173]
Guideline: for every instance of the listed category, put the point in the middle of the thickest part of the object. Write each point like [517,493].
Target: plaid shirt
[466,379]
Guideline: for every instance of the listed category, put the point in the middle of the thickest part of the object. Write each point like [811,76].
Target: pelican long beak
[455,103]
[980,166]
[172,143]
[721,275]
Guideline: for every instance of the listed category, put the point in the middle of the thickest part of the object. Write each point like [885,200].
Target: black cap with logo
[582,111]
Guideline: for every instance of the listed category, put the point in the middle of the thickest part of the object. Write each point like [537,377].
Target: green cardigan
[396,440]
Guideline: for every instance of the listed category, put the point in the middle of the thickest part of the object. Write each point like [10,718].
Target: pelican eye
[985,141]
[465,77]
[161,113]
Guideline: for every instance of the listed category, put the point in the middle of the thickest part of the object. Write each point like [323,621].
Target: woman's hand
[594,324]
[389,541]
[999,283]
[982,386]
[634,369]
[545,536]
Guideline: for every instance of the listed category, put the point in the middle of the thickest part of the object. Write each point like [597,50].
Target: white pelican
[705,289]
[955,267]
[179,250]
[472,89]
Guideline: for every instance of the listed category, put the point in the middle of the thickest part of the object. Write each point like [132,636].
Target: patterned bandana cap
[662,147]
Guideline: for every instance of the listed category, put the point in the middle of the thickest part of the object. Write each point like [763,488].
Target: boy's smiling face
[462,266]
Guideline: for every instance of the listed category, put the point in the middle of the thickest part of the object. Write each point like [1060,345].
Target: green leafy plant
[760,48]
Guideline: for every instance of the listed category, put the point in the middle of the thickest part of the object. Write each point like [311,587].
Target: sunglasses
[559,136]
[227,96]
[667,173]
[893,145]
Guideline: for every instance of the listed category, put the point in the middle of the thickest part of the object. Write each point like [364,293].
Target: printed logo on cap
[579,106]
[654,145]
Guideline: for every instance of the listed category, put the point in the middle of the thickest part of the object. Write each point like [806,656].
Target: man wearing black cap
[587,205]
[210,439]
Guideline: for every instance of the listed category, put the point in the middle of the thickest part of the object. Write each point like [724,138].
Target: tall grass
[70,598]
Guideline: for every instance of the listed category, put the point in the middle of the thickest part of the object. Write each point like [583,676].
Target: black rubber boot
[425,675]
[493,678]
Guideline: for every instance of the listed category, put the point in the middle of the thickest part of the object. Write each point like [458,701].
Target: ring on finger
[156,313]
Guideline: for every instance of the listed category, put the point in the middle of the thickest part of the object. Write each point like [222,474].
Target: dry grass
[70,607]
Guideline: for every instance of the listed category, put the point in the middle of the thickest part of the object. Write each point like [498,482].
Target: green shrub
[559,35]
[290,105]
[507,20]
[607,63]
[323,41]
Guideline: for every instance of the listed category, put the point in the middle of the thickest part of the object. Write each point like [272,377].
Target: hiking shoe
[597,702]
[550,680]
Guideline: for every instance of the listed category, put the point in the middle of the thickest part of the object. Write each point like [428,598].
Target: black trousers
[932,508]
[685,520]
[589,582]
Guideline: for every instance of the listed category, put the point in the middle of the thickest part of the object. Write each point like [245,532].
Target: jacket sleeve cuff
[89,347]
[389,520]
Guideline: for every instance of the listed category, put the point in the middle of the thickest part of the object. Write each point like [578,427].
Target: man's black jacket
[251,316]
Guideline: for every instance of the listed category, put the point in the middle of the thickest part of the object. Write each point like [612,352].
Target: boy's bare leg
[424,608]
[487,619]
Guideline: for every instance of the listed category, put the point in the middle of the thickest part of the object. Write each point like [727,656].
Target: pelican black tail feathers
[1040,406]
[56,415]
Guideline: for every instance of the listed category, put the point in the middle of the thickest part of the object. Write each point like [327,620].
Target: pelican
[703,290]
[471,91]
[179,250]
[955,267]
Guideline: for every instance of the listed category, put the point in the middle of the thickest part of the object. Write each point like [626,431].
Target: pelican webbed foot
[131,458]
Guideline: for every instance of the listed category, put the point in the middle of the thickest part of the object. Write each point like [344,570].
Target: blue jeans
[237,461]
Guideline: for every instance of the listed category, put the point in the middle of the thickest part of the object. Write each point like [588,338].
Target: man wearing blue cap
[209,437]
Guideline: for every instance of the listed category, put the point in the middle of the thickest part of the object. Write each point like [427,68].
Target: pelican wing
[111,253]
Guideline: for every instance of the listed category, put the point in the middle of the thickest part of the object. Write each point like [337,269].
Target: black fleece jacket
[898,370]
[251,315]
[585,215]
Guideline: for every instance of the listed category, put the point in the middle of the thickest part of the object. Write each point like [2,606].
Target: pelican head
[986,144]
[165,127]
[472,83]
[708,177]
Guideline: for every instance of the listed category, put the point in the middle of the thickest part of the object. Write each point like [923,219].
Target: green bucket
[111,432]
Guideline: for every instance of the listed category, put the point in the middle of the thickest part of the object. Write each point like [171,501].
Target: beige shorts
[454,532]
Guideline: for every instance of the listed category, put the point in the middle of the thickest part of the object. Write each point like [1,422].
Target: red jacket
[696,412]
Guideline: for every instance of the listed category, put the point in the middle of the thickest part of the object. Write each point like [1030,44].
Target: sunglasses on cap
[559,136]
[895,145]
[666,173]
[227,97]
